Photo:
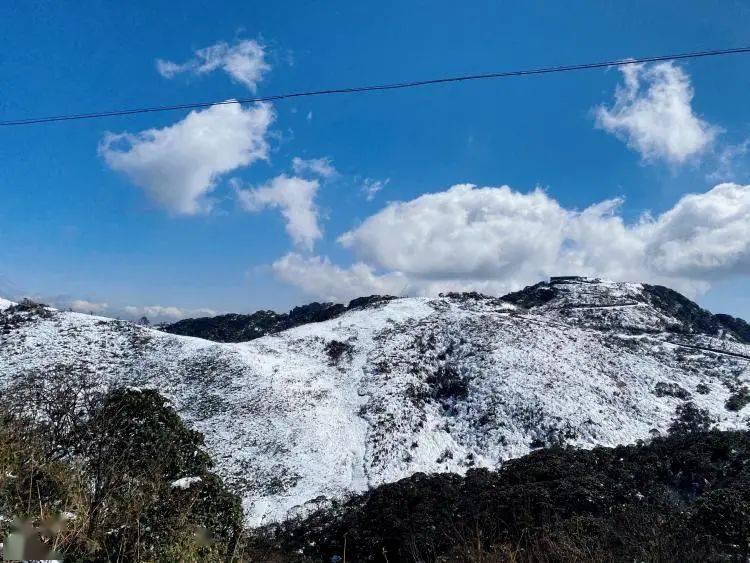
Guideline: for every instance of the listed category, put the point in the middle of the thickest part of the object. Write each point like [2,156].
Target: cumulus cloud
[322,167]
[316,275]
[295,197]
[496,240]
[177,166]
[653,114]
[705,236]
[371,187]
[244,61]
[465,231]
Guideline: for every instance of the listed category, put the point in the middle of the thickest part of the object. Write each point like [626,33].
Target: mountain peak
[629,306]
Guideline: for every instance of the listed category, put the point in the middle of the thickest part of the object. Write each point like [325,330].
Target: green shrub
[136,447]
[116,466]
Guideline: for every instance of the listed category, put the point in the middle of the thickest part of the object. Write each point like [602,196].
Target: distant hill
[235,327]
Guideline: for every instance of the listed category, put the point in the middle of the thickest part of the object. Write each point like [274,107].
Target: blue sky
[84,221]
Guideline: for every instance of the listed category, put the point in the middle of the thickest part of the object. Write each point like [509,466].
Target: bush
[136,443]
[691,418]
[683,497]
[664,389]
[39,490]
[336,350]
[136,480]
[21,313]
[446,384]
[738,400]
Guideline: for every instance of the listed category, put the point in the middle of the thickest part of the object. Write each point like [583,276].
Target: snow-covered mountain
[413,384]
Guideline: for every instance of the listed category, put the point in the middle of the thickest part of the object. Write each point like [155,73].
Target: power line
[377,87]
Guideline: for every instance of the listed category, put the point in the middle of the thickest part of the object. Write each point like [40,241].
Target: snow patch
[185,482]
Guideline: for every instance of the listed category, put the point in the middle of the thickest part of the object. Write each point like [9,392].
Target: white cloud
[318,276]
[159,313]
[496,240]
[731,162]
[84,306]
[371,187]
[705,236]
[465,232]
[155,313]
[177,166]
[295,197]
[322,167]
[245,62]
[653,114]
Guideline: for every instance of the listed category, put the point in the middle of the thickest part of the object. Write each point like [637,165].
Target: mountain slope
[415,384]
[241,328]
[655,501]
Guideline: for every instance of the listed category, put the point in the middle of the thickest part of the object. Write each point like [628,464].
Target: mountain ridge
[327,409]
[238,327]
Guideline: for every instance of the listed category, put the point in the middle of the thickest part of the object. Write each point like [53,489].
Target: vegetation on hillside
[110,476]
[242,328]
[684,497]
[90,475]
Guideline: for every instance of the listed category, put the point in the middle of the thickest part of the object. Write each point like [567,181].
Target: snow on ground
[410,385]
[185,482]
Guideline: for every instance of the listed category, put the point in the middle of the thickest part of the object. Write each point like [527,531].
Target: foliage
[241,328]
[683,497]
[738,399]
[135,448]
[336,350]
[21,313]
[691,418]
[104,466]
[664,389]
[694,319]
